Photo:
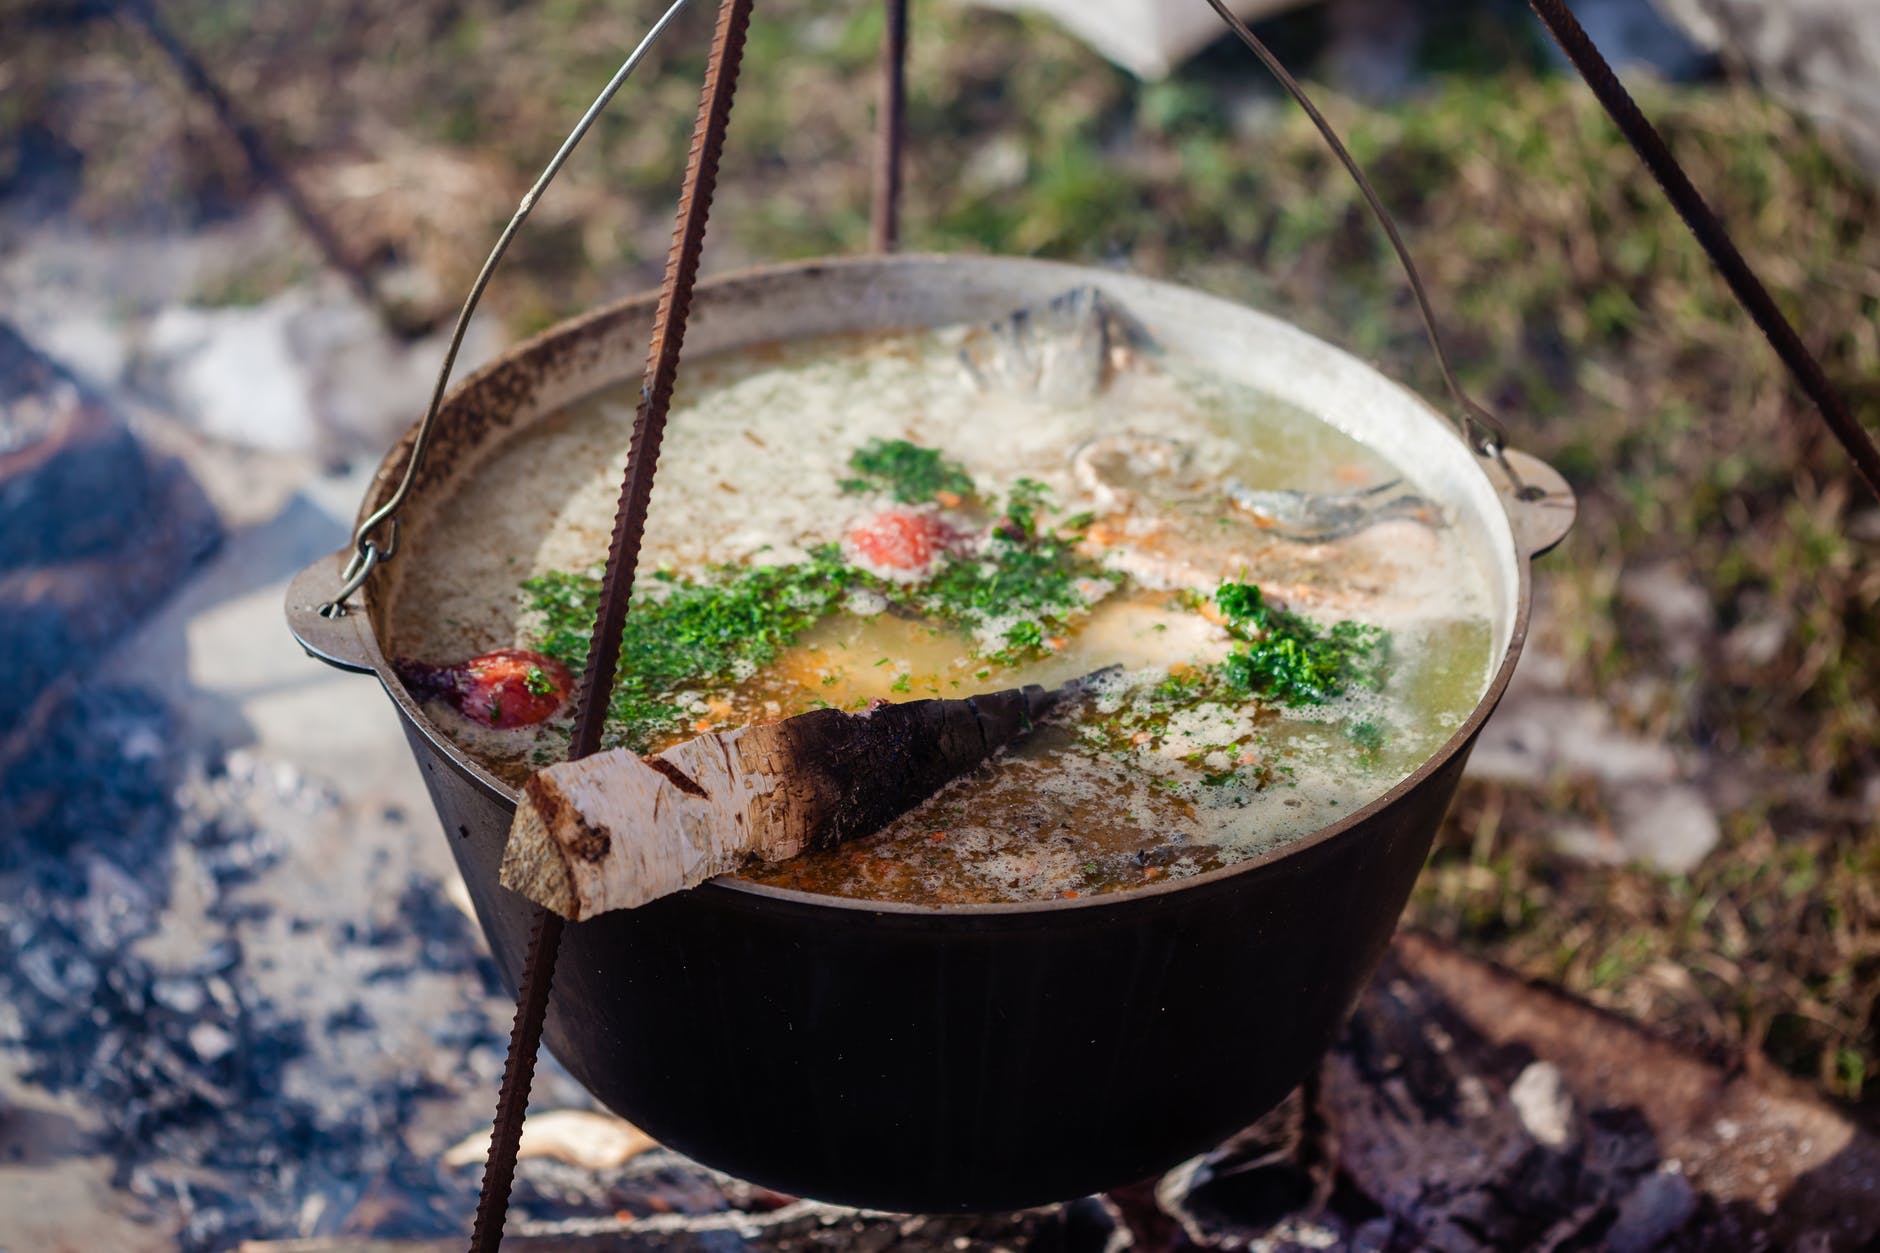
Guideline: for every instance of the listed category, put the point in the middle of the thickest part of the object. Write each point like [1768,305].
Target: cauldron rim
[352,642]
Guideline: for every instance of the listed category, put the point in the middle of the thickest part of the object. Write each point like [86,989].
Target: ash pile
[129,968]
[200,945]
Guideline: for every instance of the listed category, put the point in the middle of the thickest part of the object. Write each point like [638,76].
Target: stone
[1757,641]
[1672,827]
[1821,57]
[309,370]
[1676,605]
[1539,1095]
[1541,734]
[233,373]
[1535,737]
[1656,1210]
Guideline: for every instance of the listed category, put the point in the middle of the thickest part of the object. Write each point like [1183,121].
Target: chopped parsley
[1368,738]
[1290,658]
[911,474]
[1027,573]
[688,634]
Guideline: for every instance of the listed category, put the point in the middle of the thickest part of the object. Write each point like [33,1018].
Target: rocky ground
[224,915]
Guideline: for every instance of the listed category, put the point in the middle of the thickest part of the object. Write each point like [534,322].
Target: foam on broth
[756,449]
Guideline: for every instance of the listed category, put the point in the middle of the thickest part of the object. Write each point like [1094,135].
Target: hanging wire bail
[367,553]
[1482,430]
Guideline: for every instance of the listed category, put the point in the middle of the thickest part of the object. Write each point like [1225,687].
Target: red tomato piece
[899,541]
[508,688]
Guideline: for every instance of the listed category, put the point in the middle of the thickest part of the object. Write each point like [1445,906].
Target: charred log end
[533,863]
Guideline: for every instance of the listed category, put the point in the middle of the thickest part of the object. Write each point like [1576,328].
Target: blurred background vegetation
[1580,309]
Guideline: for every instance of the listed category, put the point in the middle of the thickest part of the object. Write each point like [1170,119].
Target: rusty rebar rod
[1711,234]
[597,681]
[890,129]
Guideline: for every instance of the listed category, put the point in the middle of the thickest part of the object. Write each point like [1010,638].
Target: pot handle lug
[344,642]
[1541,506]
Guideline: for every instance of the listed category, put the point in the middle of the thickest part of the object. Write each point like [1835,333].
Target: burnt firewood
[1466,1109]
[616,830]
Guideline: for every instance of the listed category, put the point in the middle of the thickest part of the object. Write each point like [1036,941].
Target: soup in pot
[1258,623]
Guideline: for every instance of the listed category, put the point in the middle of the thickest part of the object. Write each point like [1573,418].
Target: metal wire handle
[1483,430]
[367,552]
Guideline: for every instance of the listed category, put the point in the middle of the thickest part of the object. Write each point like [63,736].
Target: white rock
[1671,827]
[1585,842]
[308,370]
[1678,606]
[93,345]
[999,164]
[1540,1097]
[1533,738]
[1821,56]
[1758,641]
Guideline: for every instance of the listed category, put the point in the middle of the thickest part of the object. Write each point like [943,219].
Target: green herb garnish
[690,633]
[1289,657]
[1368,738]
[908,472]
[537,682]
[1027,572]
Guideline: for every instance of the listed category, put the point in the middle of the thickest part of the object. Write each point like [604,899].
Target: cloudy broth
[891,524]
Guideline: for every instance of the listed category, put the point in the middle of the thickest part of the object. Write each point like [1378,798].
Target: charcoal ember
[447,941]
[1463,1109]
[118,907]
[98,776]
[1420,1108]
[1661,1206]
[53,965]
[465,1029]
[195,1078]
[179,995]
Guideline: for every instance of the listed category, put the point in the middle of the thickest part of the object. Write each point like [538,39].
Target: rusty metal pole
[597,682]
[1711,234]
[890,129]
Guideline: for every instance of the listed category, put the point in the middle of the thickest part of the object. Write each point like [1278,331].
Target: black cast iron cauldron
[976,1057]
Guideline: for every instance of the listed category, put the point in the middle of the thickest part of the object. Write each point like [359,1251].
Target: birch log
[616,830]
